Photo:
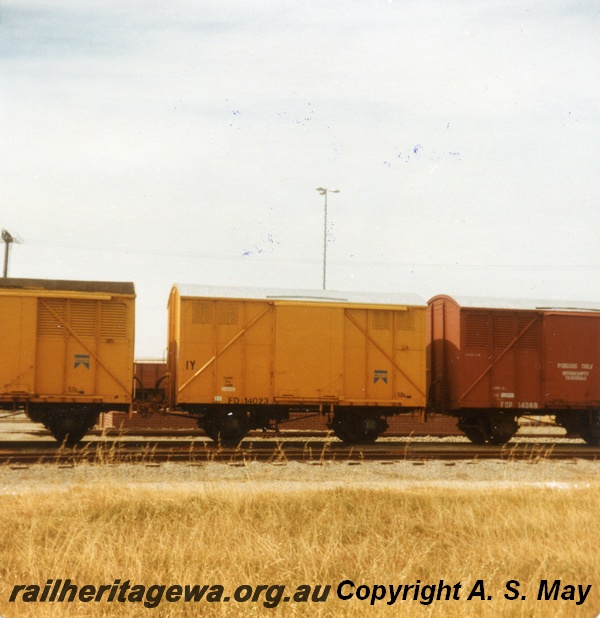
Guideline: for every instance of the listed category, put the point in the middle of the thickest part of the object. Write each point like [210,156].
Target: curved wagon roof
[479,302]
[324,296]
[123,288]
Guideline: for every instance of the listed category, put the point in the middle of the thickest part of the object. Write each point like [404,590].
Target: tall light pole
[8,239]
[324,191]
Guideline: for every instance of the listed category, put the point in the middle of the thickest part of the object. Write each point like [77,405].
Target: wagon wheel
[491,427]
[501,428]
[473,429]
[499,438]
[354,428]
[228,429]
[69,427]
[474,434]
[591,433]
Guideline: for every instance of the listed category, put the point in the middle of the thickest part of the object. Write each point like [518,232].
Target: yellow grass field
[146,533]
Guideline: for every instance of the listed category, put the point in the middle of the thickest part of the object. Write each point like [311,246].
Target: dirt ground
[292,476]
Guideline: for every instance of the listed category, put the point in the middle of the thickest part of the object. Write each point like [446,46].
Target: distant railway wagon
[66,351]
[240,359]
[492,361]
[149,376]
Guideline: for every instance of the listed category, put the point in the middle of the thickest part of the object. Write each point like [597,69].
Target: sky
[181,141]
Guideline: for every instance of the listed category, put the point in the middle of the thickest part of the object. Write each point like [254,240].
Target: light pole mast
[324,191]
[8,239]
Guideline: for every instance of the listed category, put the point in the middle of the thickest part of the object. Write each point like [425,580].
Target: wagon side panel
[357,360]
[17,338]
[116,349]
[384,356]
[85,349]
[500,360]
[224,349]
[473,387]
[244,342]
[572,363]
[410,372]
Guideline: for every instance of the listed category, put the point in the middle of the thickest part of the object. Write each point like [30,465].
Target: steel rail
[153,452]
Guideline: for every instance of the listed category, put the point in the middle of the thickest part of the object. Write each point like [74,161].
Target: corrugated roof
[55,285]
[530,304]
[331,296]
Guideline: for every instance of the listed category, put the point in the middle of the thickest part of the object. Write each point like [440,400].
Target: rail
[200,451]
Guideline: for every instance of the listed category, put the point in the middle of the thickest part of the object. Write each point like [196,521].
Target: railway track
[310,451]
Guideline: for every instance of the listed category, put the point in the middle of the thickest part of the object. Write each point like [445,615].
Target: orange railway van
[239,359]
[67,351]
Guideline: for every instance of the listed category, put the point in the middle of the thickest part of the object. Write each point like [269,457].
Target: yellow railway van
[66,351]
[239,359]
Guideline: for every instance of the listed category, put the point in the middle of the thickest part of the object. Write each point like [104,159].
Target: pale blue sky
[159,142]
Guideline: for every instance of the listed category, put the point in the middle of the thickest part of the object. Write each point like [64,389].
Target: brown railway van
[492,361]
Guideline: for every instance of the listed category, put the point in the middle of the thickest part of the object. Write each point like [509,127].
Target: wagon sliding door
[308,352]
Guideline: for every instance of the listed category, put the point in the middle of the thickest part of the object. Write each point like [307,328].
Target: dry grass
[231,535]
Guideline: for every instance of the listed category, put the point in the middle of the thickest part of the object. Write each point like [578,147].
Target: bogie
[355,427]
[488,426]
[68,426]
[585,424]
[228,428]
